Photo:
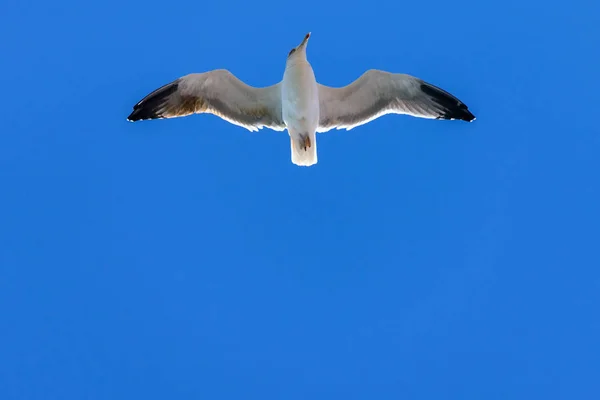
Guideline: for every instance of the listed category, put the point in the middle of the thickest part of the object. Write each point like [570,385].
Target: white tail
[304,153]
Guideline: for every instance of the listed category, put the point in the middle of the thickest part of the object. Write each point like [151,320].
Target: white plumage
[298,103]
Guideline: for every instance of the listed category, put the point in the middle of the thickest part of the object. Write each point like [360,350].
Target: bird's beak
[305,39]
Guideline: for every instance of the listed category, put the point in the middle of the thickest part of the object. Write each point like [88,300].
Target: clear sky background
[190,259]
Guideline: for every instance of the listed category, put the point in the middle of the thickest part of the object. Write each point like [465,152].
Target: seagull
[299,103]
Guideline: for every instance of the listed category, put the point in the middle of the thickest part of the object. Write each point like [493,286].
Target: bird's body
[300,110]
[298,103]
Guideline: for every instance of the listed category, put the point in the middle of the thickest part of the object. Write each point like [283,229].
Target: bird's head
[298,53]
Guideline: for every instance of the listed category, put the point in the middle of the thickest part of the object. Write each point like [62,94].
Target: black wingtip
[142,113]
[451,107]
[462,114]
[133,116]
[151,106]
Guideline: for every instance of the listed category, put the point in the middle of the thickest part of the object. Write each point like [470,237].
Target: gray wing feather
[217,92]
[377,93]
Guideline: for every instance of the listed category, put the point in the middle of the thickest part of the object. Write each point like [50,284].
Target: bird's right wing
[377,93]
[217,92]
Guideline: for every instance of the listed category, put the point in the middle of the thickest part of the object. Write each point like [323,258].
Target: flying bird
[299,103]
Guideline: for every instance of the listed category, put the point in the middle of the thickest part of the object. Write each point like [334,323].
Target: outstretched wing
[377,93]
[217,92]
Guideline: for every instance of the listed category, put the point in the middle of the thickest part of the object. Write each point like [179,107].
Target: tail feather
[304,150]
[452,108]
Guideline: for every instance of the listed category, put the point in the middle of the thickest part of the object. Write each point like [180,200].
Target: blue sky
[190,258]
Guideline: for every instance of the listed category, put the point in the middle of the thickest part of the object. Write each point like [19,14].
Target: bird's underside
[372,95]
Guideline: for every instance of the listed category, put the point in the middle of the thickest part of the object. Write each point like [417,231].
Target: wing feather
[217,92]
[378,93]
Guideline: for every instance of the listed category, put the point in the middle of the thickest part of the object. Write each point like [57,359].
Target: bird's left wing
[377,93]
[217,92]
